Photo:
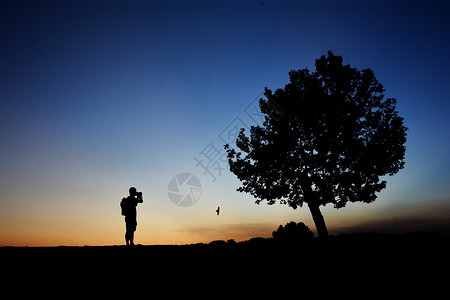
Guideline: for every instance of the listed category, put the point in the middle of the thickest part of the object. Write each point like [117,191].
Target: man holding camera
[128,206]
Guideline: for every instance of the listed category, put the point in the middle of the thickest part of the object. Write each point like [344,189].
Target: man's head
[133,191]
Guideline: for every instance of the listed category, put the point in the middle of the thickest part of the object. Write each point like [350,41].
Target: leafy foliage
[328,137]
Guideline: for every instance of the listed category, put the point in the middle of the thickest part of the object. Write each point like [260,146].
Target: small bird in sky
[218,210]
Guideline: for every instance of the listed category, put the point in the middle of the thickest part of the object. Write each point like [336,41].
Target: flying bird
[218,210]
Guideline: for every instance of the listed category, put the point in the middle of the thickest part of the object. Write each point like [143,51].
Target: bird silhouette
[218,210]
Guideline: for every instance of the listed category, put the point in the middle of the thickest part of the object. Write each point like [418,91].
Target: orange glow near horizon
[153,229]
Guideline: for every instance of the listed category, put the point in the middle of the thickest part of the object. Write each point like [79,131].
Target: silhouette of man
[128,206]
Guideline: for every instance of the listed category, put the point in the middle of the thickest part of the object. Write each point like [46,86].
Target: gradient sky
[98,96]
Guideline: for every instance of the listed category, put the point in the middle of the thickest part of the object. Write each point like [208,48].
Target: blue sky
[97,96]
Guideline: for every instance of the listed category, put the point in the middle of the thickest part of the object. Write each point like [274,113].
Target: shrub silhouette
[293,233]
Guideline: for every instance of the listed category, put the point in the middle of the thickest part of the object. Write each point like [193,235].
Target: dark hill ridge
[347,245]
[365,262]
[364,239]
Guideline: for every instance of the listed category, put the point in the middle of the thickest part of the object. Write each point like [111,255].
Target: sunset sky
[98,96]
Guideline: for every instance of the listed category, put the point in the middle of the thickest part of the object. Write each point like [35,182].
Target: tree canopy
[328,137]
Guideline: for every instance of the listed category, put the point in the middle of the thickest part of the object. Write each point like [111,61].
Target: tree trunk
[318,220]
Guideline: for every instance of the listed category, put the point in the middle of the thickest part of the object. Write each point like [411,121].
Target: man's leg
[131,237]
[127,238]
[131,229]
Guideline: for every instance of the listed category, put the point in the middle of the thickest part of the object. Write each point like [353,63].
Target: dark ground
[416,264]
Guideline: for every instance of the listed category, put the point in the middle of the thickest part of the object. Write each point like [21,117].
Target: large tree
[328,137]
